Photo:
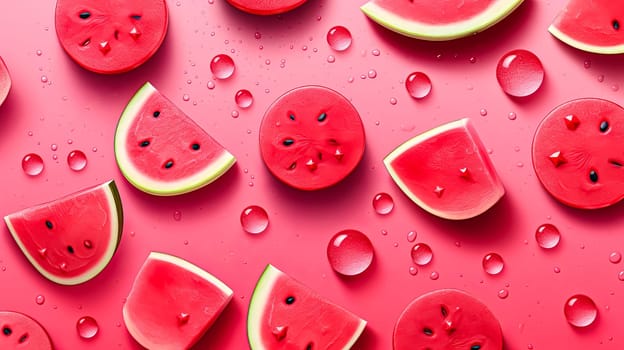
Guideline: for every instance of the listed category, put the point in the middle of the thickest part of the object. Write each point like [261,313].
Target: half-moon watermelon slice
[21,332]
[285,314]
[161,151]
[5,81]
[72,239]
[438,20]
[591,25]
[172,303]
[266,7]
[446,171]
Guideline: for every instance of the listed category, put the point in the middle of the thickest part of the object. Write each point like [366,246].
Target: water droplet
[375,52]
[39,299]
[177,215]
[87,327]
[243,98]
[547,236]
[372,74]
[621,275]
[267,62]
[493,264]
[580,310]
[383,203]
[418,85]
[39,52]
[350,252]
[70,141]
[434,275]
[587,64]
[76,160]
[557,269]
[384,232]
[520,73]
[472,59]
[210,85]
[254,219]
[503,293]
[600,78]
[32,164]
[44,79]
[222,66]
[393,101]
[234,114]
[483,112]
[413,270]
[186,97]
[615,257]
[339,38]
[615,87]
[411,236]
[257,35]
[331,59]
[421,254]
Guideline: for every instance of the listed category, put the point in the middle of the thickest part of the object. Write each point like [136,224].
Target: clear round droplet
[257,35]
[413,270]
[222,66]
[615,257]
[76,160]
[177,215]
[520,73]
[411,236]
[503,293]
[254,219]
[210,85]
[383,203]
[375,52]
[621,275]
[339,38]
[483,112]
[393,101]
[87,327]
[580,310]
[418,85]
[421,254]
[493,264]
[547,236]
[331,59]
[32,164]
[557,269]
[40,299]
[243,98]
[54,147]
[44,79]
[186,97]
[434,275]
[350,252]
[372,74]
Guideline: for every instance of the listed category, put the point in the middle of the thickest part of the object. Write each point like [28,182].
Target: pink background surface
[84,107]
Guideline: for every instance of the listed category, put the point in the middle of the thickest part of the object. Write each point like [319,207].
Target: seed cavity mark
[70,249]
[144,143]
[48,224]
[604,126]
[593,176]
[86,42]
[615,162]
[444,311]
[168,164]
[310,346]
[156,114]
[292,166]
[23,338]
[288,142]
[116,34]
[7,331]
[195,147]
[289,300]
[136,17]
[84,14]
[322,117]
[616,24]
[428,331]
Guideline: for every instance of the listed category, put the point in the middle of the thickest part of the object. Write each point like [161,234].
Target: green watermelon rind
[584,46]
[437,32]
[183,264]
[116,222]
[262,291]
[147,184]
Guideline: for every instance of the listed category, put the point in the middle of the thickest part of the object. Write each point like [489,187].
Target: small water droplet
[177,215]
[350,252]
[483,112]
[222,66]
[339,38]
[393,101]
[76,160]
[39,52]
[587,64]
[615,257]
[372,74]
[472,59]
[547,236]
[418,85]
[40,299]
[557,269]
[520,73]
[580,310]
[383,203]
[434,275]
[413,270]
[493,264]
[503,293]
[87,327]
[375,52]
[600,78]
[621,275]
[421,254]
[70,141]
[331,59]
[257,35]
[384,232]
[186,97]
[615,87]
[234,114]
[411,236]
[243,98]
[44,79]
[254,219]
[32,164]
[210,85]
[54,147]
[512,116]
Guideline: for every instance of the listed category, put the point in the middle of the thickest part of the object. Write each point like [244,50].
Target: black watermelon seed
[86,42]
[615,162]
[309,346]
[23,338]
[49,224]
[291,116]
[169,164]
[593,176]
[289,300]
[292,166]
[137,17]
[156,114]
[428,331]
[7,331]
[288,142]
[475,347]
[195,146]
[616,24]
[322,117]
[70,249]
[85,14]
[144,143]
[604,126]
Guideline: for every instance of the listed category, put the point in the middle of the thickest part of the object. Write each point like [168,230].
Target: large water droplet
[350,252]
[339,38]
[222,66]
[243,98]
[418,85]
[493,264]
[615,257]
[383,203]
[547,236]
[254,219]
[580,310]
[421,254]
[32,164]
[87,327]
[76,160]
[520,73]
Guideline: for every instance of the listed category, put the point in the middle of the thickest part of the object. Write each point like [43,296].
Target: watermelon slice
[438,20]
[5,81]
[285,314]
[311,138]
[591,25]
[172,303]
[266,7]
[161,151]
[111,36]
[22,332]
[72,239]
[446,171]
[578,155]
[447,319]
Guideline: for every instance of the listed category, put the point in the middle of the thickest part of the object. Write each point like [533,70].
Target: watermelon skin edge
[587,47]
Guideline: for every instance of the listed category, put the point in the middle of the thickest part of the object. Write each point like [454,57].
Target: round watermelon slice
[438,20]
[5,82]
[285,314]
[446,171]
[266,7]
[22,332]
[578,155]
[591,25]
[172,303]
[72,239]
[161,151]
[110,36]
[311,138]
[447,319]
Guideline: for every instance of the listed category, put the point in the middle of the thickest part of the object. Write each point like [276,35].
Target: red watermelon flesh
[266,7]
[173,303]
[440,12]
[5,81]
[446,171]
[591,25]
[111,36]
[22,332]
[578,155]
[285,314]
[72,239]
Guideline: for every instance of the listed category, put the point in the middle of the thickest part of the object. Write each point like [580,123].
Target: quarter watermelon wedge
[266,7]
[578,155]
[285,314]
[111,36]
[5,81]
[72,239]
[438,20]
[21,332]
[161,151]
[446,171]
[591,25]
[172,303]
